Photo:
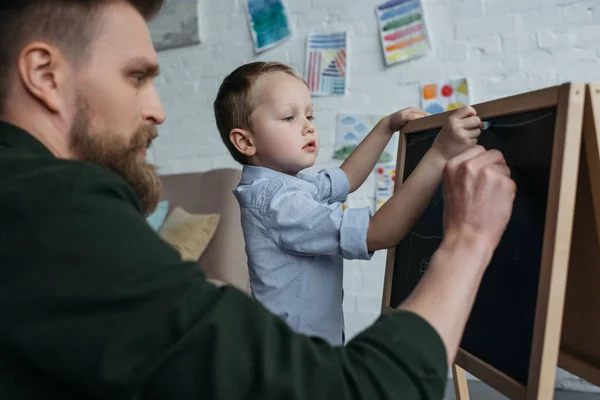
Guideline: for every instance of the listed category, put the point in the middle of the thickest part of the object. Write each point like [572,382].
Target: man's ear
[43,69]
[242,141]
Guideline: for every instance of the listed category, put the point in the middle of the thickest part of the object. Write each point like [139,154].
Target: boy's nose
[310,128]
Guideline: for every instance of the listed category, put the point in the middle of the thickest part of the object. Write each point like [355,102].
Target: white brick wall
[504,47]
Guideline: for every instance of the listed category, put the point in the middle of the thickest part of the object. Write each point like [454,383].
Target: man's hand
[478,196]
[478,199]
[459,133]
[398,120]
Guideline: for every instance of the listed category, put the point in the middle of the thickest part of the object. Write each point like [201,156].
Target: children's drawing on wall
[444,96]
[176,25]
[269,23]
[402,30]
[351,129]
[384,187]
[326,64]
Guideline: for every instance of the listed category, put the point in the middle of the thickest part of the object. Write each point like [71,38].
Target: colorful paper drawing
[444,96]
[176,25]
[351,129]
[269,23]
[384,188]
[326,63]
[402,30]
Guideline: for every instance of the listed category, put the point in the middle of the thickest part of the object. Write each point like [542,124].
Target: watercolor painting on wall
[269,23]
[384,188]
[402,30]
[444,96]
[326,68]
[176,25]
[351,129]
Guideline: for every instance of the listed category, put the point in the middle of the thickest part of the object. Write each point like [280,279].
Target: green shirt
[93,304]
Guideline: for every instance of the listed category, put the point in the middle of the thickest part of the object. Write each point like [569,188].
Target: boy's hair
[234,102]
[67,24]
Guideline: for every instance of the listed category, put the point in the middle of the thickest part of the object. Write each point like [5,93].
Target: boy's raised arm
[396,217]
[361,162]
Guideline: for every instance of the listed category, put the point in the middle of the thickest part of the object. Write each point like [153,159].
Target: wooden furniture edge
[578,367]
[491,376]
[591,142]
[461,386]
[560,211]
[391,253]
[574,361]
[518,103]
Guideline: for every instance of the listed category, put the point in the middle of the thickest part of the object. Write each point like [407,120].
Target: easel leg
[460,383]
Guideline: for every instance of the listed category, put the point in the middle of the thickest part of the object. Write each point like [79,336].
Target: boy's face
[283,132]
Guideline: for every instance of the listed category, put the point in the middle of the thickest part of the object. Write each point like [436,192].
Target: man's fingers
[501,169]
[487,158]
[468,154]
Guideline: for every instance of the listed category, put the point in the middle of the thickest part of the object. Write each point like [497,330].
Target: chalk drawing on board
[421,260]
[438,198]
[424,265]
[521,123]
[516,255]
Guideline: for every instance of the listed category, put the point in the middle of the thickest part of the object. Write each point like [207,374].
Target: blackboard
[504,310]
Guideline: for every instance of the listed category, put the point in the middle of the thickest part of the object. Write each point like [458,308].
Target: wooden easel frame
[569,101]
[583,357]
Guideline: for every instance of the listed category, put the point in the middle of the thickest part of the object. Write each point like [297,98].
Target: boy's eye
[139,79]
[310,118]
[288,119]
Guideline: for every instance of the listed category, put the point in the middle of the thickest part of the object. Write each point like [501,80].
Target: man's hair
[67,24]
[234,102]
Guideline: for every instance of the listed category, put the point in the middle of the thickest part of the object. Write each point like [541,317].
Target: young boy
[295,230]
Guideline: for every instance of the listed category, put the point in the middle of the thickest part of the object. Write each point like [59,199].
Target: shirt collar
[12,136]
[251,173]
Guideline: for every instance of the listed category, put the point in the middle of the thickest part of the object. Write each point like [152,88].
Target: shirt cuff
[353,233]
[340,186]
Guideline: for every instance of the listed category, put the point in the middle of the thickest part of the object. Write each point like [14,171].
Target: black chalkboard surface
[504,310]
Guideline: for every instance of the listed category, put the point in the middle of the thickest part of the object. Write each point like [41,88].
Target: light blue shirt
[296,239]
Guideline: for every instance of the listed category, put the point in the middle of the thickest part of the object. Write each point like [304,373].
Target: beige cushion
[189,233]
[211,192]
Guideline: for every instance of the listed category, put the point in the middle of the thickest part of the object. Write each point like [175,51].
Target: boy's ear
[242,141]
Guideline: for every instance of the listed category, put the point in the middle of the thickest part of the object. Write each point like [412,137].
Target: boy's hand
[397,120]
[459,133]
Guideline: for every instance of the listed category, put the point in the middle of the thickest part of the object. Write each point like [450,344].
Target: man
[94,305]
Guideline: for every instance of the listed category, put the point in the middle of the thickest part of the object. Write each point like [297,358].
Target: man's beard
[112,152]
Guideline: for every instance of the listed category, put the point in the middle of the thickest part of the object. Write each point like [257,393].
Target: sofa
[224,258]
